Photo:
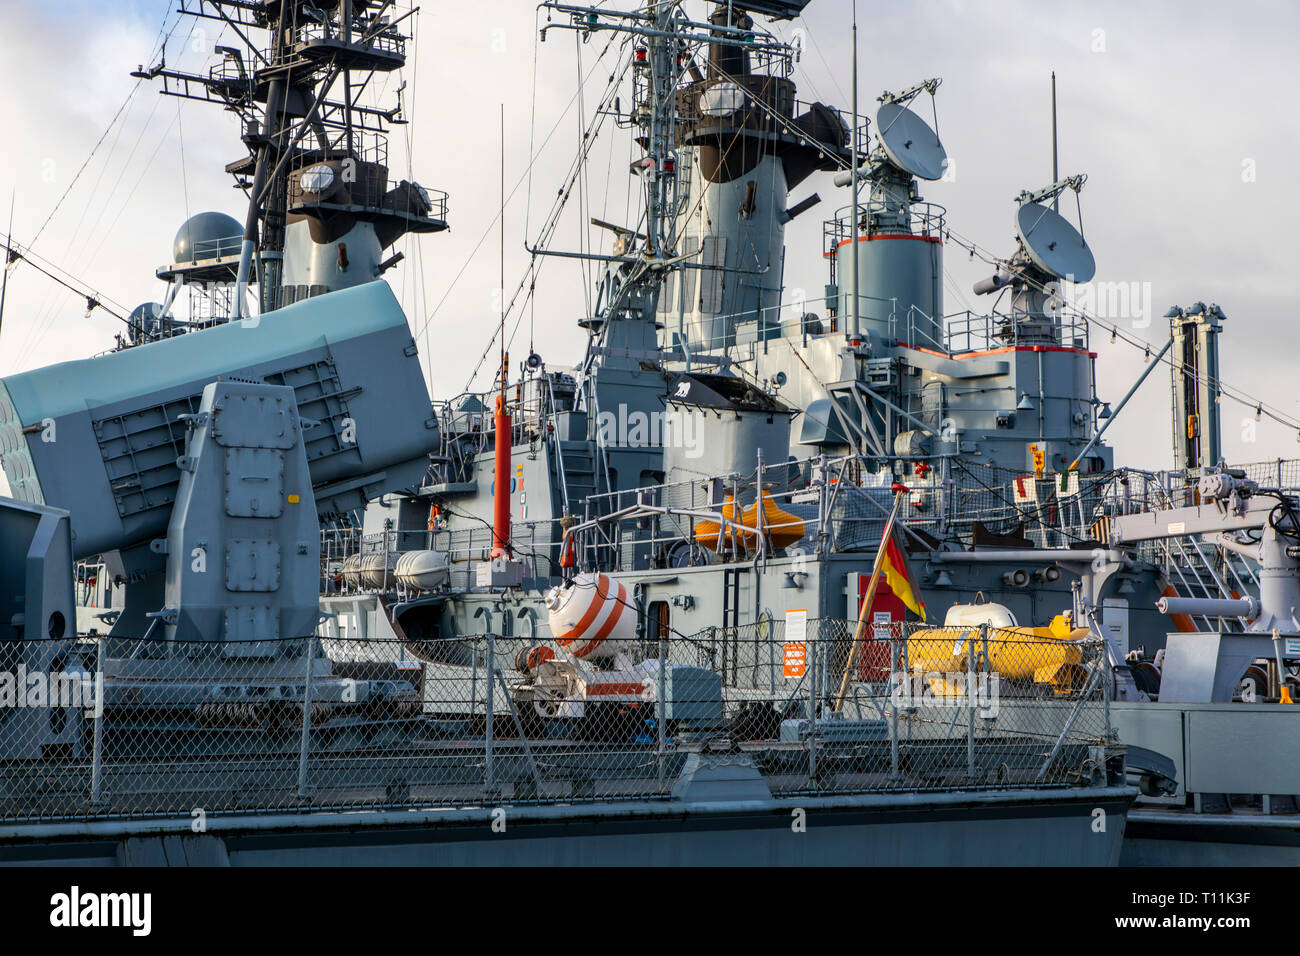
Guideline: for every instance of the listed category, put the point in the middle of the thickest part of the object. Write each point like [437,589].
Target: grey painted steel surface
[99,435]
[243,543]
[909,141]
[1218,748]
[954,829]
[38,624]
[1204,667]
[1168,838]
[1054,244]
[902,287]
[324,267]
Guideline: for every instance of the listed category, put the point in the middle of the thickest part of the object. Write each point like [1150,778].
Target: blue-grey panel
[348,355]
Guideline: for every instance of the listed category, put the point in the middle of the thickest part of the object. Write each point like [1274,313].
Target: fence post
[489,769]
[893,704]
[304,745]
[811,654]
[473,681]
[661,705]
[97,746]
[970,697]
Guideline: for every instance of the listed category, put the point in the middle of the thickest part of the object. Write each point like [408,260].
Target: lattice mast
[666,44]
[301,75]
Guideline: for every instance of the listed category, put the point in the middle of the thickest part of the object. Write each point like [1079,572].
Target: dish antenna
[906,145]
[1051,241]
[1050,246]
[1049,249]
[908,141]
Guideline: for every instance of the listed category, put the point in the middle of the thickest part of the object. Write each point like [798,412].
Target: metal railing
[968,331]
[924,219]
[104,729]
[834,504]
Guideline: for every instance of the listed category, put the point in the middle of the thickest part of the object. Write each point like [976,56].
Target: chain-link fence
[112,729]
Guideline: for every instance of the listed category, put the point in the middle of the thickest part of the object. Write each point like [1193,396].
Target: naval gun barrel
[1210,607]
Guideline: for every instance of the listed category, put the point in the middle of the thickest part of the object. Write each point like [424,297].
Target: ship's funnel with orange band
[592,617]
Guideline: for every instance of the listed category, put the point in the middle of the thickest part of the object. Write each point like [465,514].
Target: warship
[859,583]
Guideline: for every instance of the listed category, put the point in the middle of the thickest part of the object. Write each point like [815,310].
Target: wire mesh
[106,728]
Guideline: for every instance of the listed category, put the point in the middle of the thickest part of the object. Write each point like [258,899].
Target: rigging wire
[94,300]
[492,225]
[45,314]
[135,88]
[535,264]
[671,247]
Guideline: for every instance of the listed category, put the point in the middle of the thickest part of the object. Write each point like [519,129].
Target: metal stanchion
[304,744]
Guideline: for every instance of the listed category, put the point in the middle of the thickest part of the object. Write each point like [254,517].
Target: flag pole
[899,491]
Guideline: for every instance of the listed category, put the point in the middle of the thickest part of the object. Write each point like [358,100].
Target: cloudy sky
[1180,111]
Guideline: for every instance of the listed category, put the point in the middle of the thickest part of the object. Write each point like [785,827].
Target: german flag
[898,575]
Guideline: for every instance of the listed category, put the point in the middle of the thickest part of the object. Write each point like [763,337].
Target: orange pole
[501,476]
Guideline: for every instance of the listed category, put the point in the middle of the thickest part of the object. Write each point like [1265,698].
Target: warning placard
[796,642]
[796,658]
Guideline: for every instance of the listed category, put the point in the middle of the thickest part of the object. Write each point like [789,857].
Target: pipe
[261,174]
[1027,556]
[1210,607]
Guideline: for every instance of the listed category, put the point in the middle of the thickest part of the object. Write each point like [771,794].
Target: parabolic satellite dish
[909,142]
[1053,243]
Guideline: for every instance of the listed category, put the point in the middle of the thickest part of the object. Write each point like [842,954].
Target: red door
[884,620]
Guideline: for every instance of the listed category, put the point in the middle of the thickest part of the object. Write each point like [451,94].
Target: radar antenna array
[1050,240]
[907,139]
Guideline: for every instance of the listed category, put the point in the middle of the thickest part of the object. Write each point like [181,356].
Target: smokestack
[726,59]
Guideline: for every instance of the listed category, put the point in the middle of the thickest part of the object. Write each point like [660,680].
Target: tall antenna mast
[1056,172]
[853,224]
[505,373]
[321,212]
[665,42]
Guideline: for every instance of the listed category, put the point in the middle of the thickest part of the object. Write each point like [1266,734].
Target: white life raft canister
[592,616]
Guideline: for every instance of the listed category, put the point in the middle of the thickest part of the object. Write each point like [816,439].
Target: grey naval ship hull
[975,829]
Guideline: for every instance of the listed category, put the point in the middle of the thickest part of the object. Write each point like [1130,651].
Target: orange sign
[796,658]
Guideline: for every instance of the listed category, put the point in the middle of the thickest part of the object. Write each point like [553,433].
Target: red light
[640,55]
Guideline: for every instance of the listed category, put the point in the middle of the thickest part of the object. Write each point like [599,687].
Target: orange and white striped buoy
[592,616]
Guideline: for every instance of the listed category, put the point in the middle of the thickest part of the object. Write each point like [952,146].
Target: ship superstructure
[739,463]
[656,575]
